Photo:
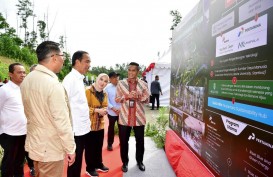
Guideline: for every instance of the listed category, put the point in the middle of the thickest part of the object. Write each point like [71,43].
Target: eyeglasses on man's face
[61,55]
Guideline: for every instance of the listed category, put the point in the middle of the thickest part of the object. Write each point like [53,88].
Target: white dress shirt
[12,117]
[111,92]
[74,86]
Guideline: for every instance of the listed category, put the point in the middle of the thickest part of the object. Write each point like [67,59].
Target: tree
[119,68]
[32,40]
[41,27]
[3,23]
[25,11]
[176,18]
[8,32]
[62,42]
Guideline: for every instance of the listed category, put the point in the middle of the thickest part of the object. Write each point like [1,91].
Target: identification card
[131,103]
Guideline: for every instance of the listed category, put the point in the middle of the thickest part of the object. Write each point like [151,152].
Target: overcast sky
[112,31]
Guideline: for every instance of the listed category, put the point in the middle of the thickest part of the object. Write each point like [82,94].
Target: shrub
[160,127]
[28,57]
[150,130]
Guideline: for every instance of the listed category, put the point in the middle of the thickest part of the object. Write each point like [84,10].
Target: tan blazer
[49,129]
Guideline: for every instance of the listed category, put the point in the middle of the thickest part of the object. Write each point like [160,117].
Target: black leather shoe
[124,168]
[141,166]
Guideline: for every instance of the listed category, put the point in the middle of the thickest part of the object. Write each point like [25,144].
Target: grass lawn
[4,66]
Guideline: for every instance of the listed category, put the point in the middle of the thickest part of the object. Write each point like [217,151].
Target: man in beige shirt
[49,131]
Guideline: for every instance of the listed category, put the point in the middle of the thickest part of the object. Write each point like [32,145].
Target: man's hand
[119,99]
[71,159]
[134,95]
[115,110]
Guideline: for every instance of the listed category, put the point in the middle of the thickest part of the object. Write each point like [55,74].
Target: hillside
[4,66]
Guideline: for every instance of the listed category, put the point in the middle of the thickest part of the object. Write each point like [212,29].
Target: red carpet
[111,159]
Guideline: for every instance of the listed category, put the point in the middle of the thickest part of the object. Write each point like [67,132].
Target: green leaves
[176,18]
[158,130]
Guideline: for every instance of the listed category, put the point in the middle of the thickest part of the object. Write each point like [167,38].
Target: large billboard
[222,85]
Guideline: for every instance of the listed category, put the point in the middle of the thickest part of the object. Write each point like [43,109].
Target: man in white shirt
[74,86]
[13,123]
[113,108]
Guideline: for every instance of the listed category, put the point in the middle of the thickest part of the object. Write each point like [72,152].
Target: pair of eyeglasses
[61,55]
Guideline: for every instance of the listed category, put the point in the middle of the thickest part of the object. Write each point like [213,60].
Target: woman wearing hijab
[97,102]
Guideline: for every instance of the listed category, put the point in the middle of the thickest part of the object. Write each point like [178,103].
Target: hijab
[99,93]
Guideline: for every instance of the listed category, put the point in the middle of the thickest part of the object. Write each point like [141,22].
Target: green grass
[4,66]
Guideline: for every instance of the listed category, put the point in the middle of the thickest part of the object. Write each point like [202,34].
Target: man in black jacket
[155,90]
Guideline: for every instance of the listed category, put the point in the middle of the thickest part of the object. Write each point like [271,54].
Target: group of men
[50,120]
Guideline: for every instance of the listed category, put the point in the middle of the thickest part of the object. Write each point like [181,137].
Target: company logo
[250,42]
[224,40]
[253,137]
[241,31]
[253,27]
[241,45]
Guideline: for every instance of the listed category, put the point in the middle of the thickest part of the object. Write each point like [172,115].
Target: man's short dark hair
[77,56]
[12,66]
[113,74]
[46,48]
[135,64]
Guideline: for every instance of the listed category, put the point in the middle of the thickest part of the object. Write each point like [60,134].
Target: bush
[9,48]
[27,56]
[150,130]
[160,127]
[4,70]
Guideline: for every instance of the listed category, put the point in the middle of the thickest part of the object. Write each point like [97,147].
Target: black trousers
[111,129]
[81,142]
[94,153]
[14,155]
[29,160]
[124,135]
[155,97]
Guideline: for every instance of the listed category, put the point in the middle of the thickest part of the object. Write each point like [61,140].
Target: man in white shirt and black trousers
[13,123]
[74,86]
